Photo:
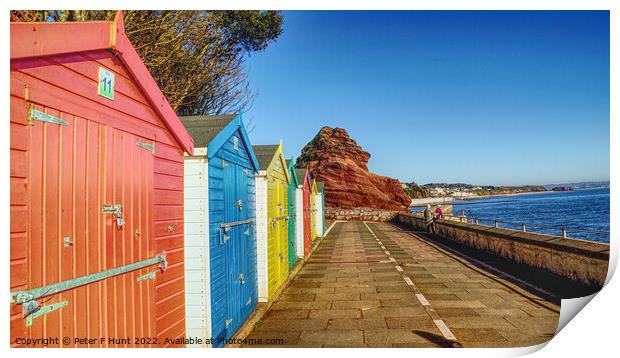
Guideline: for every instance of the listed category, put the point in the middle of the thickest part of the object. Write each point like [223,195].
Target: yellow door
[277,229]
[283,239]
[272,235]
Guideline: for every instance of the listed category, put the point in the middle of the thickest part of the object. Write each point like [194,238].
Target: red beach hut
[96,191]
[304,179]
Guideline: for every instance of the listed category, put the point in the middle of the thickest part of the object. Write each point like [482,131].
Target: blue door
[230,240]
[238,240]
[246,248]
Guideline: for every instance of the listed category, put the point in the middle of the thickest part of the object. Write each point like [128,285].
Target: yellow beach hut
[272,184]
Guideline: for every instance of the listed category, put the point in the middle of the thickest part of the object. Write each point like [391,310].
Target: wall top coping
[577,246]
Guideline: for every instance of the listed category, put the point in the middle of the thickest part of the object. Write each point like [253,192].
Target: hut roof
[204,128]
[301,173]
[264,154]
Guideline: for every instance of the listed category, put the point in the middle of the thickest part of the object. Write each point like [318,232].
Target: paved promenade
[373,285]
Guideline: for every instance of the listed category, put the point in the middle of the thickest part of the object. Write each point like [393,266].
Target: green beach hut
[292,204]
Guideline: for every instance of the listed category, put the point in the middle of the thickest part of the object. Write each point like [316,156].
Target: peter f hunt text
[103,341]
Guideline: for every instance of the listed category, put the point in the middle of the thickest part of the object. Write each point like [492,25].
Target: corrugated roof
[264,154]
[204,128]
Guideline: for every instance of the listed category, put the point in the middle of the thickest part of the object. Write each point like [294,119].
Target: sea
[585,209]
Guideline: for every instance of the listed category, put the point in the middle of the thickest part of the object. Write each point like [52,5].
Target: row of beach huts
[129,225]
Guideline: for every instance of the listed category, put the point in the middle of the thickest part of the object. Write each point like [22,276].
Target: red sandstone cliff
[336,159]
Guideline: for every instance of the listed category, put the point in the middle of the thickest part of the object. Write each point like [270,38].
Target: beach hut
[272,219]
[96,191]
[304,246]
[320,206]
[292,213]
[313,208]
[220,241]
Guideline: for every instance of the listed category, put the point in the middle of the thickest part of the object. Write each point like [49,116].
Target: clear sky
[500,98]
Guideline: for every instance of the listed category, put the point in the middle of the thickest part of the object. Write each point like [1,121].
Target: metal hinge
[32,310]
[148,146]
[239,204]
[241,279]
[228,322]
[249,302]
[28,298]
[44,117]
[148,276]
[224,164]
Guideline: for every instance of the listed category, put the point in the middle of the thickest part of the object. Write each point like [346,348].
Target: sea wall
[366,214]
[432,201]
[582,261]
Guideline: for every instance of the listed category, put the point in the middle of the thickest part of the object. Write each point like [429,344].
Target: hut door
[76,168]
[246,235]
[292,257]
[283,230]
[307,233]
[231,244]
[240,285]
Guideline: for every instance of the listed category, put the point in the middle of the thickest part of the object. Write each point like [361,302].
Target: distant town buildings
[461,190]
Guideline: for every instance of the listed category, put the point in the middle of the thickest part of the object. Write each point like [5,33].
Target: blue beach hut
[220,237]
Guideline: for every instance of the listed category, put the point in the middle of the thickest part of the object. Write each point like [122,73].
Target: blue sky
[504,98]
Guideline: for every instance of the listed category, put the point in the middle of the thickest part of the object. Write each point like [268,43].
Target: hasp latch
[117,211]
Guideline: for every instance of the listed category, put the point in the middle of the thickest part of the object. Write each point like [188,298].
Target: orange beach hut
[96,190]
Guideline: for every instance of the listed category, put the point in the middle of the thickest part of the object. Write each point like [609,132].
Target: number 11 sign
[106,83]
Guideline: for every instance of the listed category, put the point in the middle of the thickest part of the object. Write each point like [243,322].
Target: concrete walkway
[372,285]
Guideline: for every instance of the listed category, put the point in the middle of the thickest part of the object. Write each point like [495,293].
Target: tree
[196,57]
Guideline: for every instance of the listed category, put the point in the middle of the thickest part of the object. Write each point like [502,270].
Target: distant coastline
[456,200]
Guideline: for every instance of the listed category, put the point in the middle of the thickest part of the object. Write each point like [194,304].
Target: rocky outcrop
[336,159]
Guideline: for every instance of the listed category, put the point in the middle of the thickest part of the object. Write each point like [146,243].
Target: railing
[563,231]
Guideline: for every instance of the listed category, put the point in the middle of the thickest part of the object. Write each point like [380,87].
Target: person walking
[428,219]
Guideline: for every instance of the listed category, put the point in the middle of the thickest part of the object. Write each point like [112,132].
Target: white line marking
[422,299]
[330,227]
[447,333]
[440,324]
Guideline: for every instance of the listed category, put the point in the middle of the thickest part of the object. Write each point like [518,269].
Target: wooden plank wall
[69,82]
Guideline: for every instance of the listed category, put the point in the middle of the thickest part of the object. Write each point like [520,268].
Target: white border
[590,334]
